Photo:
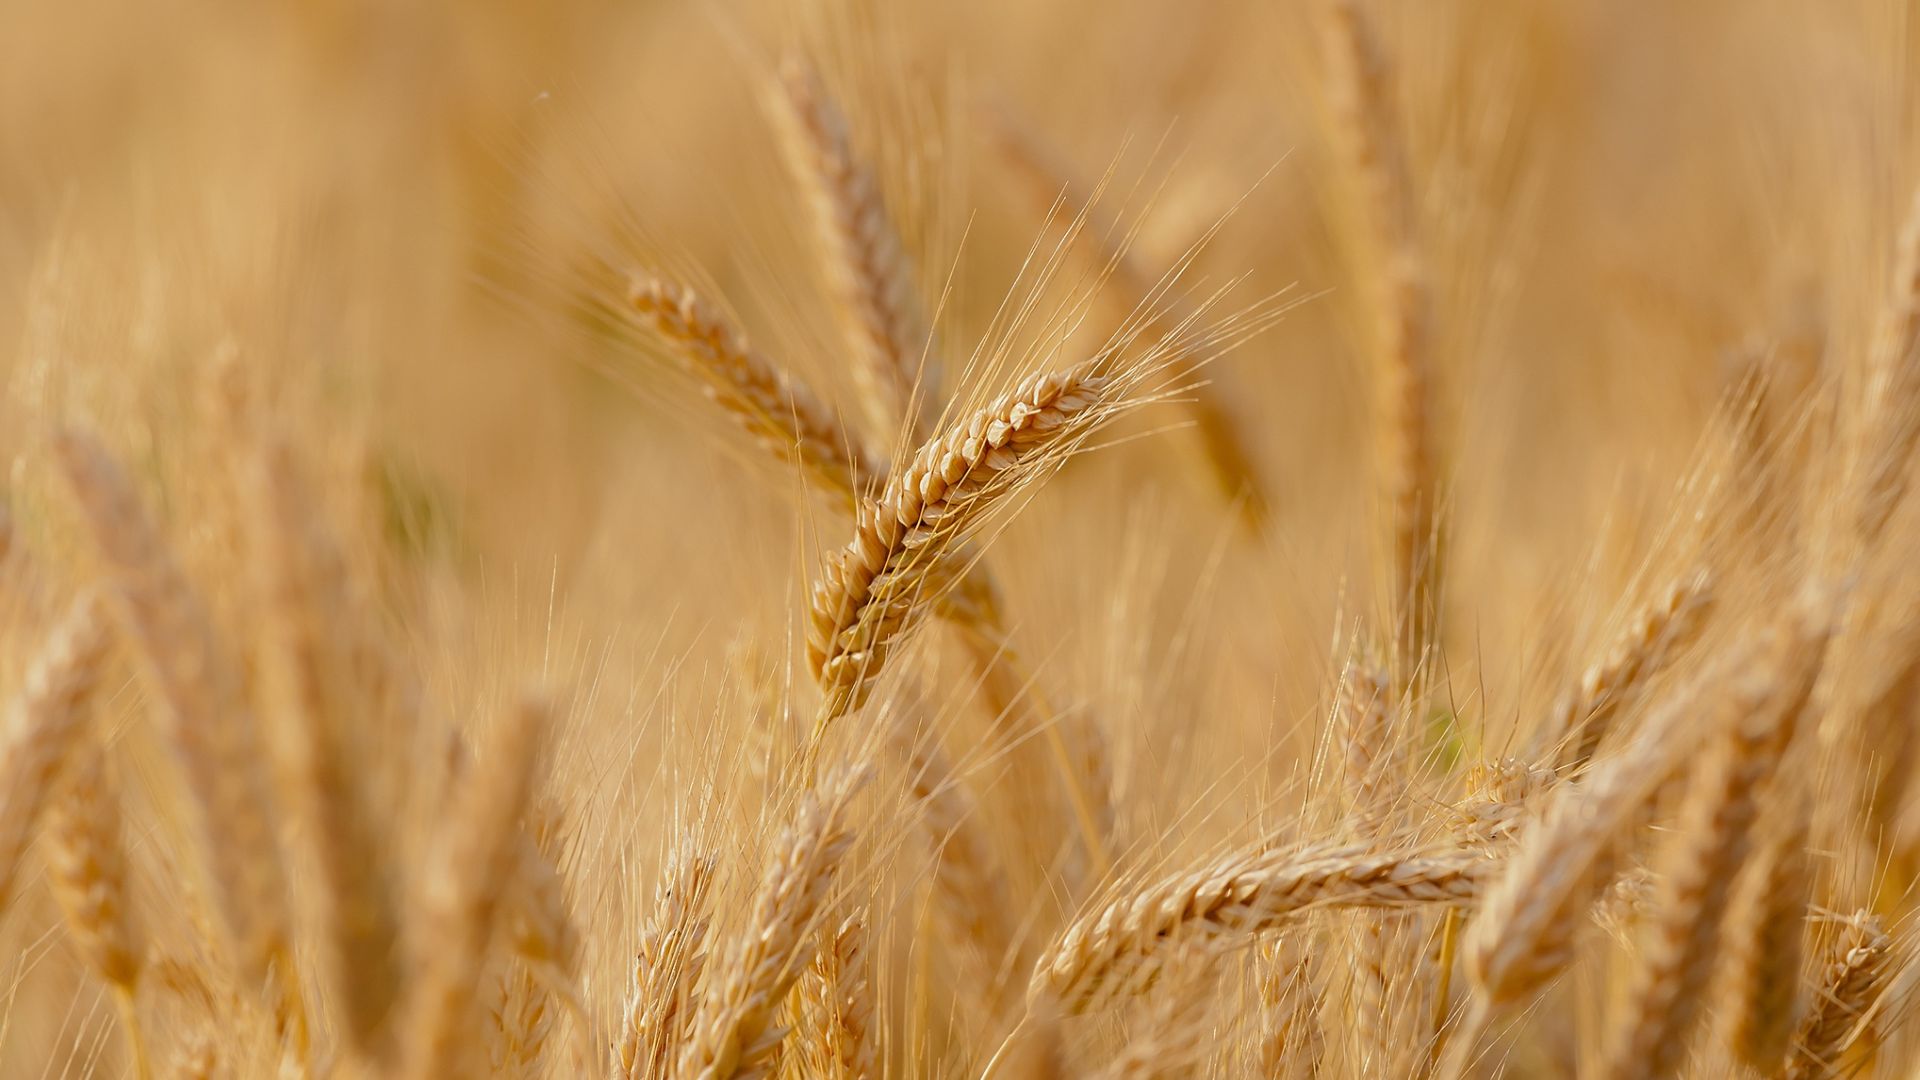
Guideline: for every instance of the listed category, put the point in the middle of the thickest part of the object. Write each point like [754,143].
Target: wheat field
[839,538]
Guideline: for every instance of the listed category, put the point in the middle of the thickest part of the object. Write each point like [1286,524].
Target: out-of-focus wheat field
[1346,538]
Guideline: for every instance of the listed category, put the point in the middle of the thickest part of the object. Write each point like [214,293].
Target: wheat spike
[773,408]
[1851,981]
[1114,950]
[471,874]
[1290,1040]
[321,703]
[838,995]
[1362,95]
[1766,927]
[197,696]
[1657,634]
[1893,423]
[1762,710]
[862,253]
[87,867]
[871,593]
[44,722]
[672,955]
[733,1034]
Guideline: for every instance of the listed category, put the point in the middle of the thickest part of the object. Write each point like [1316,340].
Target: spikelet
[45,719]
[733,1031]
[1851,981]
[471,874]
[1116,949]
[773,408]
[865,264]
[672,955]
[1762,710]
[871,593]
[196,693]
[321,705]
[1362,96]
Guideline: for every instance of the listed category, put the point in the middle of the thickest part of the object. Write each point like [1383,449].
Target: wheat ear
[776,410]
[1362,96]
[865,263]
[672,954]
[733,1033]
[1657,634]
[197,696]
[1765,933]
[470,875]
[87,867]
[1851,981]
[307,631]
[872,592]
[1762,710]
[838,993]
[1116,949]
[45,720]
[1893,426]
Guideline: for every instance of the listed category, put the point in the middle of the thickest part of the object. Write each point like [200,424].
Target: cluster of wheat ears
[243,804]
